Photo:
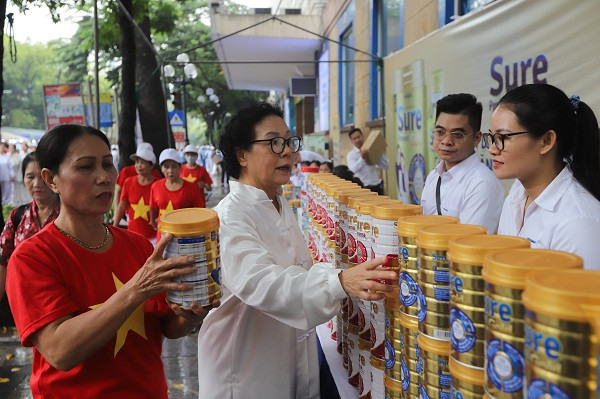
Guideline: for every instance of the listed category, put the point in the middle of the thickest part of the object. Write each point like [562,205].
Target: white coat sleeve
[482,205]
[291,294]
[383,162]
[355,161]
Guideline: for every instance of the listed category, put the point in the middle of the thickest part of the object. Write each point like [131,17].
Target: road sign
[176,118]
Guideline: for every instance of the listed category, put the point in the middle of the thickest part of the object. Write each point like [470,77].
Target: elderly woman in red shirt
[26,220]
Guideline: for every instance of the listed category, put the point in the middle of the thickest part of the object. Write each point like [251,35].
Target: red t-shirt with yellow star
[49,277]
[198,175]
[138,211]
[129,171]
[161,198]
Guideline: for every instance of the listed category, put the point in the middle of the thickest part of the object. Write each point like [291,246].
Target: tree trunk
[152,105]
[127,144]
[2,19]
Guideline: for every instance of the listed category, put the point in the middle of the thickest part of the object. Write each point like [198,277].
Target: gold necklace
[83,244]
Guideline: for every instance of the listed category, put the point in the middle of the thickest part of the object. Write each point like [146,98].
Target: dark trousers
[376,189]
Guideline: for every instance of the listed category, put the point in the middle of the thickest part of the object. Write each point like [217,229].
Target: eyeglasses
[278,143]
[457,137]
[497,139]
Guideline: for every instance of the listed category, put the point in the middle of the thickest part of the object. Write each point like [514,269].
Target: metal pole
[183,100]
[96,67]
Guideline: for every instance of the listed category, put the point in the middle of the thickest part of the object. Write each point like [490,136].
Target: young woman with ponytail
[550,143]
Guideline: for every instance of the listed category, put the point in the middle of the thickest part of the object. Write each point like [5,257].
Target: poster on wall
[106,114]
[63,104]
[486,53]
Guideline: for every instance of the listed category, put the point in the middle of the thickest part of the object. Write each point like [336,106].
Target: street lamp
[189,74]
[213,102]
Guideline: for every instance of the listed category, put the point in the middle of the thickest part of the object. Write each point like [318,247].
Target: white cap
[146,145]
[190,148]
[169,153]
[145,153]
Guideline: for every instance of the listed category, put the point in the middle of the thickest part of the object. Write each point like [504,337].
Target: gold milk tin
[433,360]
[467,296]
[409,261]
[467,382]
[195,233]
[504,276]
[562,325]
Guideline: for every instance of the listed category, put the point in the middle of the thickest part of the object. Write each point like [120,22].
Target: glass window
[393,39]
[466,6]
[348,77]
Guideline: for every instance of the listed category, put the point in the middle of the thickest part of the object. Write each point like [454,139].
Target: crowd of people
[98,292]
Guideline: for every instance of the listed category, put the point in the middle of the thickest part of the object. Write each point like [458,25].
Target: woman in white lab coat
[261,342]
[550,143]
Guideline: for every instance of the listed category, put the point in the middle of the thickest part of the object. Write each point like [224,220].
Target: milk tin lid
[353,200]
[288,187]
[377,363]
[309,169]
[391,384]
[471,249]
[410,322]
[365,207]
[437,236]
[565,294]
[508,268]
[344,197]
[347,190]
[188,222]
[295,203]
[395,210]
[462,372]
[408,226]
[438,347]
[331,188]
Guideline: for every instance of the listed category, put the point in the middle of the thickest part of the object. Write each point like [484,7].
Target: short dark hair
[52,148]
[354,130]
[31,157]
[461,104]
[240,131]
[329,165]
[317,162]
[343,172]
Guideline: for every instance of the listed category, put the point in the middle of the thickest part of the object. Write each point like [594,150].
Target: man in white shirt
[368,174]
[460,185]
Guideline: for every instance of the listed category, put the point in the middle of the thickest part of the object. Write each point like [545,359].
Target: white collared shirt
[368,174]
[564,217]
[260,343]
[469,191]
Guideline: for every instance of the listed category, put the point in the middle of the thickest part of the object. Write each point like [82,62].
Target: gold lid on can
[366,206]
[353,200]
[565,294]
[462,372]
[331,188]
[391,384]
[347,190]
[431,345]
[408,226]
[295,203]
[436,237]
[508,268]
[395,210]
[470,250]
[345,196]
[189,222]
[410,322]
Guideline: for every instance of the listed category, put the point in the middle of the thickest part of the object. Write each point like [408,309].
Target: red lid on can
[309,169]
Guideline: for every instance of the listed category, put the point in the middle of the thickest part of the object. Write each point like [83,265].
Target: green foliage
[23,100]
[6,210]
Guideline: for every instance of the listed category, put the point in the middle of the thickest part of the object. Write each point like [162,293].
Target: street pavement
[180,356]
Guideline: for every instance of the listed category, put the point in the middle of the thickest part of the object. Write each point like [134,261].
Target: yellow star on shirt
[140,210]
[167,209]
[134,322]
[190,178]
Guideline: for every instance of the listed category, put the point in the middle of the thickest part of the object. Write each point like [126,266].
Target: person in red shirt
[172,192]
[25,221]
[129,171]
[193,172]
[135,195]
[87,297]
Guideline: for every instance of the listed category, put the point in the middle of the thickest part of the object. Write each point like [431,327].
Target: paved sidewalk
[180,357]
